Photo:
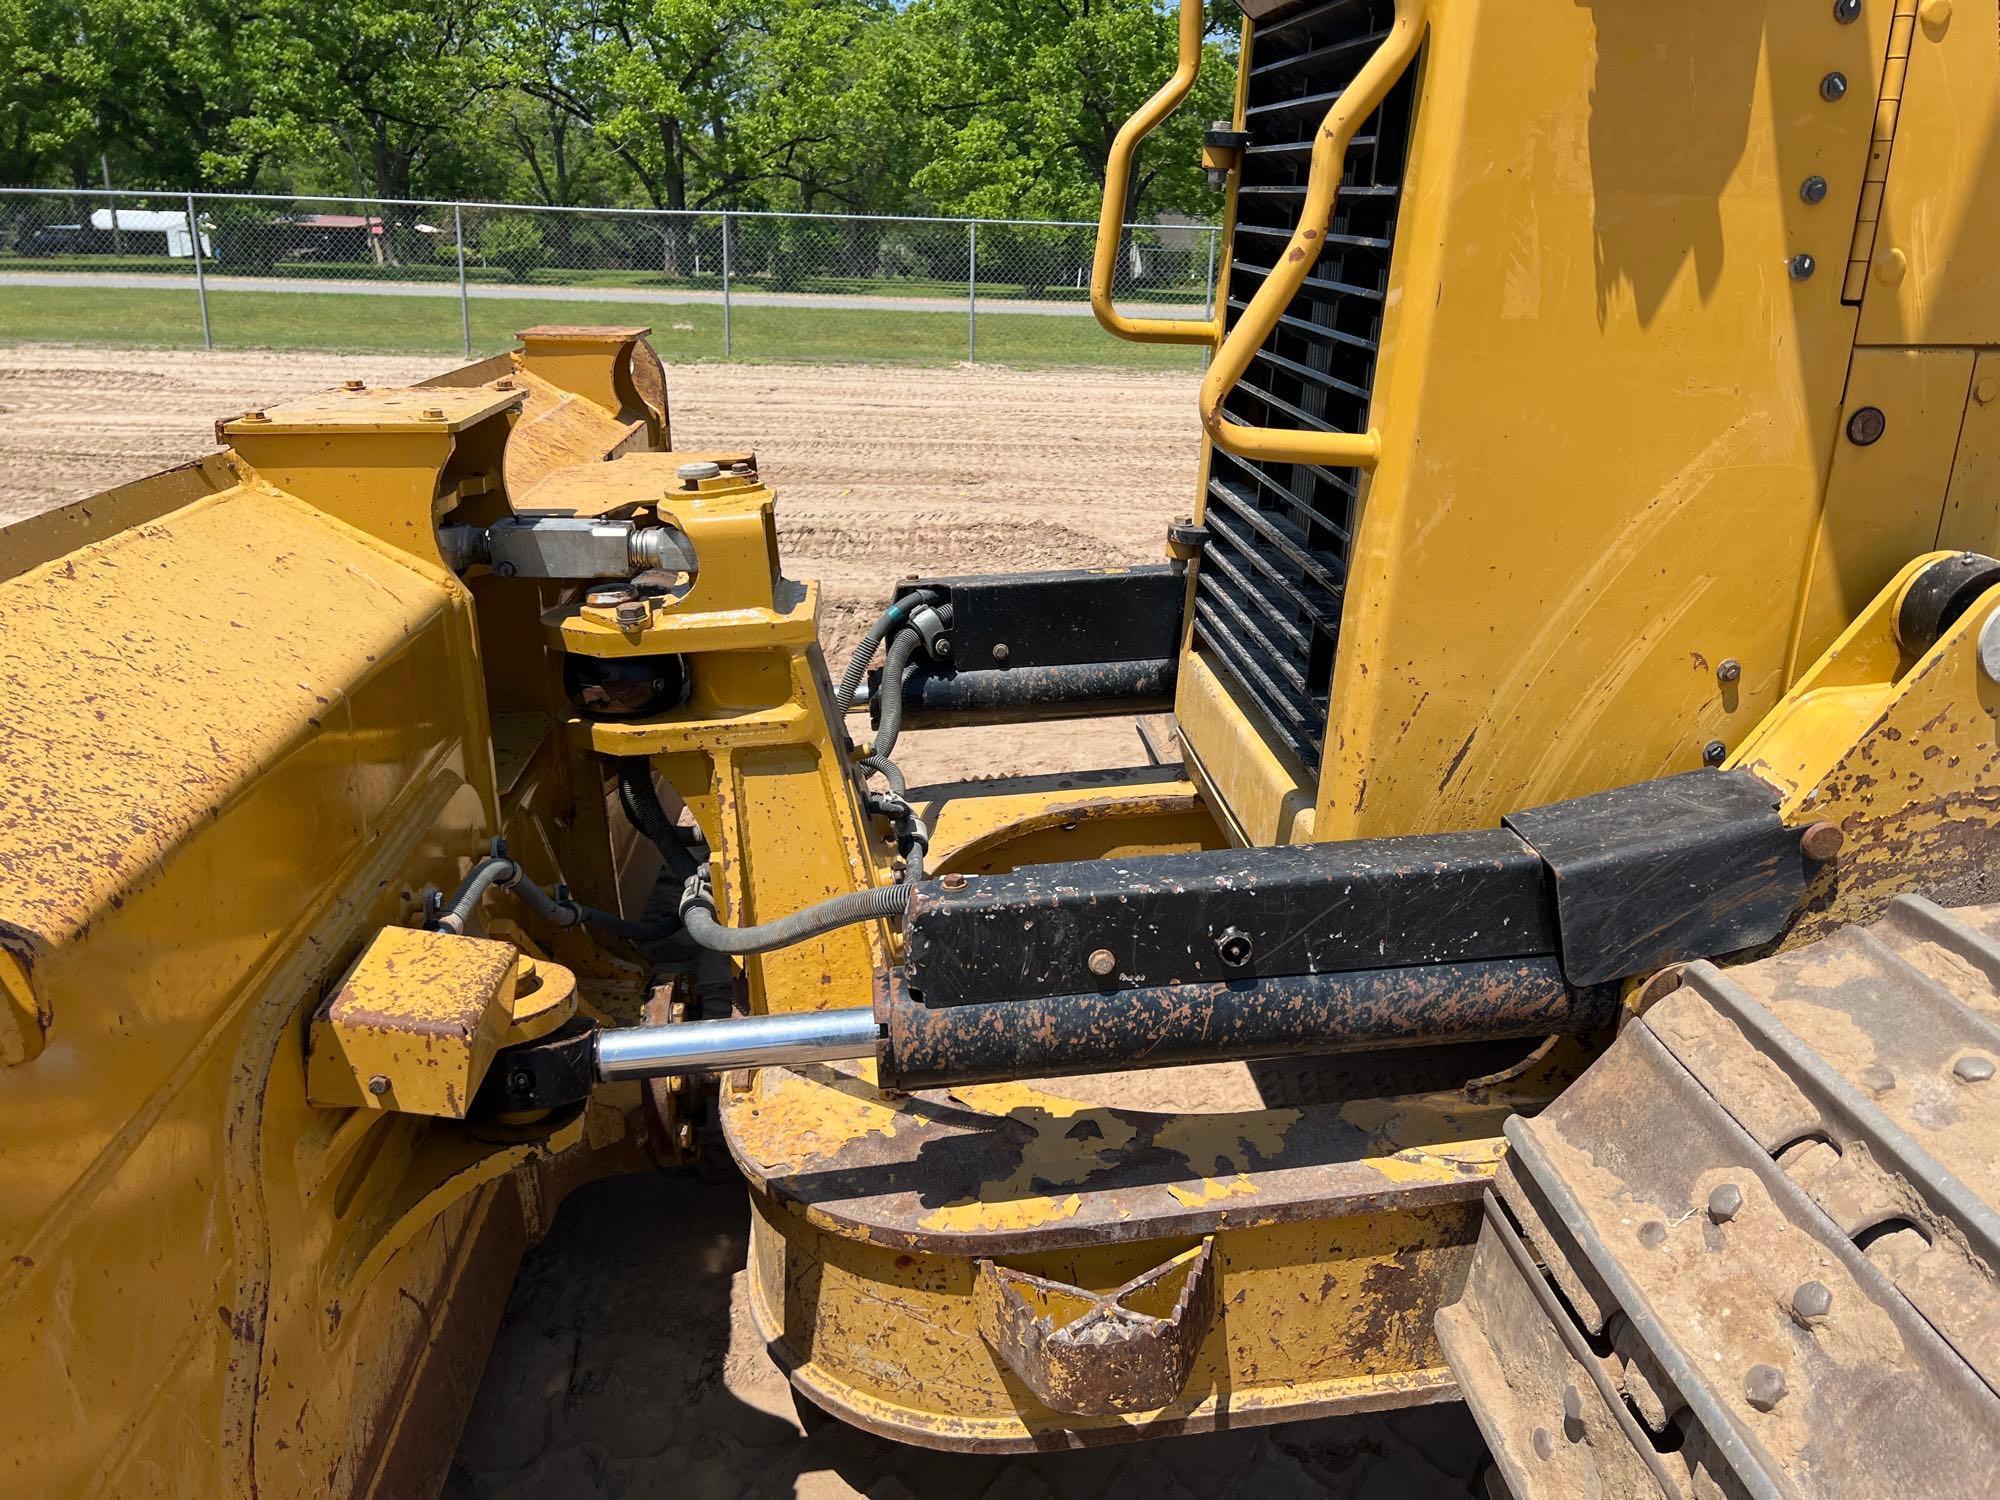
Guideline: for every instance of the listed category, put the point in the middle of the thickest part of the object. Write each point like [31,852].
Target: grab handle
[1118,182]
[1360,99]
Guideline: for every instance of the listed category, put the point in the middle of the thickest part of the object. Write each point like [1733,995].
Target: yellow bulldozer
[1558,972]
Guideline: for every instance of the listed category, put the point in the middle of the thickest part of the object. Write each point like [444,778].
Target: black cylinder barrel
[1489,1000]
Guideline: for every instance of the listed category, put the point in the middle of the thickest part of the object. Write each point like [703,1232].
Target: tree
[1024,98]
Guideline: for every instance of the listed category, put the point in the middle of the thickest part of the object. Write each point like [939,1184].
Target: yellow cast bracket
[1118,182]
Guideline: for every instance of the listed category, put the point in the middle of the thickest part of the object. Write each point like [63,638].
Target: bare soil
[627,1364]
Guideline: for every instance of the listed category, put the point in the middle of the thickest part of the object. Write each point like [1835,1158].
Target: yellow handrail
[1117,183]
[1343,450]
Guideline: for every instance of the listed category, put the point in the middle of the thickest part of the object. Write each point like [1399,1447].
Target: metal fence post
[972,292]
[464,304]
[200,281]
[728,346]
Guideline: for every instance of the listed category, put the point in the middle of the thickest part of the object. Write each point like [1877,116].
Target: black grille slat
[1273,574]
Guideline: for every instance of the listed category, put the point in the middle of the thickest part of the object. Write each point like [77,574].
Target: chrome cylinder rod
[750,1042]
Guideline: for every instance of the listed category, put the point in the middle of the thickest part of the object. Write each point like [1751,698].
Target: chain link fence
[281,272]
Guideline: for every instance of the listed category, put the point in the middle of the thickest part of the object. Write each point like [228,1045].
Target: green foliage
[1000,108]
[514,242]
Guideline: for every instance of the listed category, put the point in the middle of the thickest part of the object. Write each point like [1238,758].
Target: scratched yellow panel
[1935,278]
[1884,500]
[1972,504]
[1606,405]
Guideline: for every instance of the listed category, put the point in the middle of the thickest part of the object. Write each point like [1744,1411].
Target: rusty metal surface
[1096,1353]
[992,1169]
[1166,1025]
[1772,1201]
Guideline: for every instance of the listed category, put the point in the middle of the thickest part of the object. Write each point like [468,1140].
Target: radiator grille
[1267,600]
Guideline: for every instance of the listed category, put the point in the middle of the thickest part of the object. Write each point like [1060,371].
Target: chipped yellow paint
[1216,1145]
[1213,1191]
[1051,1158]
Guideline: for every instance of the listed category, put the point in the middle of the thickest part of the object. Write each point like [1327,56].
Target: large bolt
[1802,266]
[1764,1386]
[1813,189]
[1972,1068]
[1811,1302]
[691,475]
[1846,11]
[1866,426]
[1821,842]
[1725,1203]
[1103,963]
[433,413]
[1730,670]
[1000,652]
[1833,87]
[378,1085]
[632,613]
[953,882]
[353,385]
[1714,753]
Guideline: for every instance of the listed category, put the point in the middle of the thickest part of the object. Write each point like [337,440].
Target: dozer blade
[1751,1251]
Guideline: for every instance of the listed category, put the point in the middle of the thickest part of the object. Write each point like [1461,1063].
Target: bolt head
[633,612]
[1572,1404]
[1000,651]
[1729,670]
[1764,1386]
[1972,1068]
[505,569]
[1846,11]
[1802,266]
[1652,1234]
[684,1136]
[1544,1444]
[1833,86]
[1821,842]
[255,416]
[433,413]
[1714,753]
[353,385]
[1811,1302]
[1813,189]
[378,1085]
[520,1081]
[953,882]
[1103,963]
[1725,1203]
[691,475]
[1866,426]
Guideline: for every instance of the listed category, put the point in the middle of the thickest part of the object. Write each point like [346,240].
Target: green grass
[169,318]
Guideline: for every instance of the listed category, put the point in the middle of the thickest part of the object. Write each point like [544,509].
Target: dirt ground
[626,1364]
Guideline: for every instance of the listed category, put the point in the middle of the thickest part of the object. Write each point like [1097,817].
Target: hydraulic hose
[463,904]
[641,800]
[857,664]
[890,724]
[698,916]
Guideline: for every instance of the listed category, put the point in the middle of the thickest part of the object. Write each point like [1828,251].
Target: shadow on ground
[627,1366]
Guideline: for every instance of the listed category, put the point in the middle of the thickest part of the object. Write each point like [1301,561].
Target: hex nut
[1714,753]
[1000,652]
[1972,1068]
[1232,945]
[353,385]
[632,612]
[1802,266]
[1764,1386]
[1813,189]
[953,882]
[1821,842]
[1833,87]
[433,413]
[378,1085]
[1846,11]
[1811,1302]
[1729,671]
[1725,1203]
[1866,426]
